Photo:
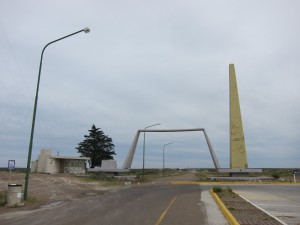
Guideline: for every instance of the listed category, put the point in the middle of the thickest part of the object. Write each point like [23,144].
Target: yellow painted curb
[184,182]
[233,183]
[224,210]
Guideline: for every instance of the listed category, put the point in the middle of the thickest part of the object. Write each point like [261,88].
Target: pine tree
[97,146]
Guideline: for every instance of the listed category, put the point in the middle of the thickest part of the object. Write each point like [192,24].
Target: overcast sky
[147,62]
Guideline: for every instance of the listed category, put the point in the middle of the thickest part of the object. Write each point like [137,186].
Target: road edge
[230,218]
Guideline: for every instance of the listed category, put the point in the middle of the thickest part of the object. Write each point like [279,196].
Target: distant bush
[217,189]
[229,189]
[3,197]
[281,172]
[275,175]
[100,176]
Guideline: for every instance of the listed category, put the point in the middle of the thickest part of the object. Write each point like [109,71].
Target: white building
[46,163]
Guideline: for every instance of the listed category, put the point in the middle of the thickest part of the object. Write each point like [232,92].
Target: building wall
[74,166]
[53,165]
[34,166]
[109,164]
[48,164]
[42,160]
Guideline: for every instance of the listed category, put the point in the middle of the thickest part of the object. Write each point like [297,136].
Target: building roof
[69,157]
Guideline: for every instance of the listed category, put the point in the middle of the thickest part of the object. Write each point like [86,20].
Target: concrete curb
[230,218]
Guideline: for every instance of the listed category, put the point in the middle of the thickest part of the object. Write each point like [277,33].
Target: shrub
[229,189]
[217,189]
[3,197]
[275,175]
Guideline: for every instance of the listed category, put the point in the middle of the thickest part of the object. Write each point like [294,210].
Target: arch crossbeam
[129,158]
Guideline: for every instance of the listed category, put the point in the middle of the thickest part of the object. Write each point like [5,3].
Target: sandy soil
[47,188]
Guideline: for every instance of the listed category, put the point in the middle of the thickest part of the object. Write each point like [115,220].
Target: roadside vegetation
[102,179]
[97,146]
[204,174]
[148,176]
[153,174]
[16,170]
[273,173]
[280,174]
[3,196]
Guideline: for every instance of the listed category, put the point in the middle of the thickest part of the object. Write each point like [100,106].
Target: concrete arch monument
[130,155]
[238,156]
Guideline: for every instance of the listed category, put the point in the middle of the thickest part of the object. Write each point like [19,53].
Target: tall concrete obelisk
[238,157]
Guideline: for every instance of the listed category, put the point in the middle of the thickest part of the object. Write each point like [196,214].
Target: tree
[97,146]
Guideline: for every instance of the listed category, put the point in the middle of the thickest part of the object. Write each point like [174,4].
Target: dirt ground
[47,188]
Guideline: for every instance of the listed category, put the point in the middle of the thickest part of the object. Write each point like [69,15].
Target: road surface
[157,203]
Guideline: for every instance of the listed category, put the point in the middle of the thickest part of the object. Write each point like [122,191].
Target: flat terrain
[64,199]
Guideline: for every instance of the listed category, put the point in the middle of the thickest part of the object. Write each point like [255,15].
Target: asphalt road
[158,204]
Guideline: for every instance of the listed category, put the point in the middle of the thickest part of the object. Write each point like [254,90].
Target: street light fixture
[164,157]
[143,173]
[85,30]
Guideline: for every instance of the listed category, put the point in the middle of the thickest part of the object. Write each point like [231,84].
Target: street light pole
[143,173]
[164,157]
[85,30]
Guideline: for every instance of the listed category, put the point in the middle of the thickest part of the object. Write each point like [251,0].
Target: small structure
[109,168]
[14,195]
[109,164]
[46,163]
